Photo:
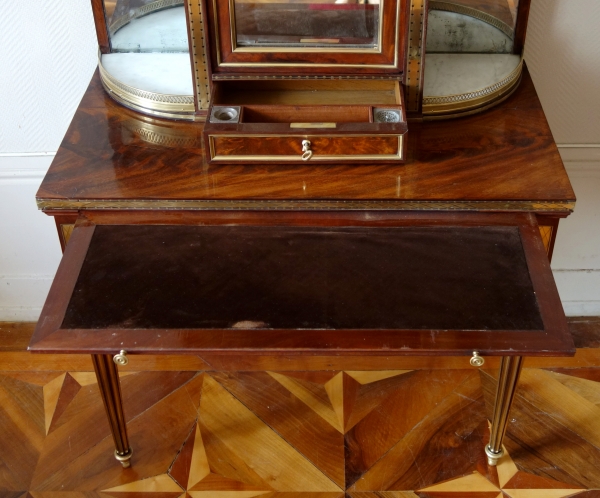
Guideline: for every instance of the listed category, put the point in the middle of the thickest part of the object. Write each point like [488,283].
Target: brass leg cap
[492,456]
[124,459]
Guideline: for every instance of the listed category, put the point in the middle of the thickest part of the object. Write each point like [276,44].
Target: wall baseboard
[579,291]
[24,169]
[22,296]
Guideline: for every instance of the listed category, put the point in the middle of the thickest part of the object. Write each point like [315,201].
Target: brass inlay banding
[414,63]
[200,60]
[305,205]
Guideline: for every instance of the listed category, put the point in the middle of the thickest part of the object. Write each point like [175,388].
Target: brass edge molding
[414,65]
[474,110]
[305,205]
[477,14]
[151,112]
[157,104]
[465,101]
[199,56]
[142,11]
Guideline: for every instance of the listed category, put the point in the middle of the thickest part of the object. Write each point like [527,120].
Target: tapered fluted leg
[510,368]
[110,389]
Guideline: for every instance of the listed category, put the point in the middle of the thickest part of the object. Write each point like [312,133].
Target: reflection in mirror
[149,51]
[470,51]
[307,23]
[471,26]
[147,26]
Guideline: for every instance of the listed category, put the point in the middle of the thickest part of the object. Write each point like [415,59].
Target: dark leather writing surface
[219,277]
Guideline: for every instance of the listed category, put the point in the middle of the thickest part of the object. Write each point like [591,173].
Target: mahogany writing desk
[440,256]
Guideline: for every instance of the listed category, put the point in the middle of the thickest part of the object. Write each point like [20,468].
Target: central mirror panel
[308,37]
[309,23]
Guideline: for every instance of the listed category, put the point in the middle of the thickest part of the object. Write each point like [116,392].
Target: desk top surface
[504,159]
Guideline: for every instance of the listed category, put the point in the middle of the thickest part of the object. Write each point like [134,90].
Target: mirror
[147,26]
[470,54]
[149,65]
[307,23]
[471,26]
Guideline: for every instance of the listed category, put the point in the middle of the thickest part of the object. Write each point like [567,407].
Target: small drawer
[306,148]
[306,122]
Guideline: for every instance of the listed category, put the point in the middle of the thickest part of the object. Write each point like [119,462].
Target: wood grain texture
[505,154]
[585,330]
[225,145]
[526,436]
[101,26]
[238,428]
[232,436]
[291,417]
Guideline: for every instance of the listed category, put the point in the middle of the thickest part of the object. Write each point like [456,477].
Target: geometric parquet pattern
[350,434]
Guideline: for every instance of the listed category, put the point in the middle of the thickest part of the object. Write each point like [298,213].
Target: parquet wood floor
[403,433]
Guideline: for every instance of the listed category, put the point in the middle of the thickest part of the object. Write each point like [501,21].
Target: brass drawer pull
[121,358]
[306,152]
[476,360]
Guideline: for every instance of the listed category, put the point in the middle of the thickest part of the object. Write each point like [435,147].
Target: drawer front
[290,147]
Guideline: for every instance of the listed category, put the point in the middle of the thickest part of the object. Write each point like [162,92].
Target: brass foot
[493,457]
[124,459]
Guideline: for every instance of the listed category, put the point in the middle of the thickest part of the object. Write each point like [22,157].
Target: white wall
[563,55]
[48,56]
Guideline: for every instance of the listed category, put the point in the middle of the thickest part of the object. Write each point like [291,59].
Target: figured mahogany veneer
[278,117]
[316,284]
[503,159]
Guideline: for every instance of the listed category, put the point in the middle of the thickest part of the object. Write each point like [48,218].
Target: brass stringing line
[206,97]
[413,75]
[199,53]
